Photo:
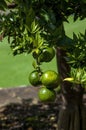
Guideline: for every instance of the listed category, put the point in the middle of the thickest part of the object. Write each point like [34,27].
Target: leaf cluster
[32,23]
[77,52]
[77,76]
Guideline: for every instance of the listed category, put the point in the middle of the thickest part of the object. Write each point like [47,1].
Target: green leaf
[45,15]
[37,40]
[69,79]
[84,1]
[34,27]
[30,16]
[34,64]
[67,0]
[3,4]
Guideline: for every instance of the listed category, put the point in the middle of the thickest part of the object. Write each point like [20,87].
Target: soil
[20,109]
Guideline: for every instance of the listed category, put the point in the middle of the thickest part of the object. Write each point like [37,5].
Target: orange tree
[36,27]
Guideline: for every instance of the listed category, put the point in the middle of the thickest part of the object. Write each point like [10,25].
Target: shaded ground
[20,109]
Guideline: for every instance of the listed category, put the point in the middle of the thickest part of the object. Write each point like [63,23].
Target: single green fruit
[34,78]
[47,54]
[50,79]
[46,95]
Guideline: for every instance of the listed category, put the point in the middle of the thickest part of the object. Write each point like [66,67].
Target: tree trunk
[72,115]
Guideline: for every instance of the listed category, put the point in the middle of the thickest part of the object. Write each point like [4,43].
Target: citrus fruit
[34,78]
[50,79]
[46,95]
[47,54]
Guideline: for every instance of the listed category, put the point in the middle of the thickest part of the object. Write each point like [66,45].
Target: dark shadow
[30,115]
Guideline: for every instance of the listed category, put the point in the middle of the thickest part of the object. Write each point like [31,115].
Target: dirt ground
[20,109]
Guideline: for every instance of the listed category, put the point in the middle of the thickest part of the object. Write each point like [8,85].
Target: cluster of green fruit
[48,80]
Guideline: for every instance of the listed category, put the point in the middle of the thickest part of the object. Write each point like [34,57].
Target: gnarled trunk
[71,116]
[72,113]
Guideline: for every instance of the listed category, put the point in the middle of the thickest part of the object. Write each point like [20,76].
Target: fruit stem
[38,67]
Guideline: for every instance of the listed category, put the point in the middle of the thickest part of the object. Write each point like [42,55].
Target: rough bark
[72,113]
